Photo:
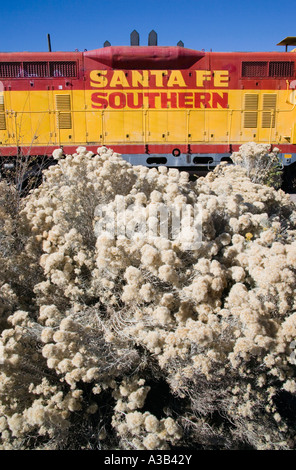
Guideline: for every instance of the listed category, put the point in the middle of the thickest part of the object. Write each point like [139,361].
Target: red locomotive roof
[36,56]
[39,70]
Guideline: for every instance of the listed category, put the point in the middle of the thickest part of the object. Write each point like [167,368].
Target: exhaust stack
[152,38]
[49,43]
[135,38]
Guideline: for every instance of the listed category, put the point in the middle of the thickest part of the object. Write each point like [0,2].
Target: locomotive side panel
[148,101]
[167,105]
[38,90]
[38,127]
[5,129]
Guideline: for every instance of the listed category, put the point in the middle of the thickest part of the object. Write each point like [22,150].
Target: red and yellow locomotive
[155,105]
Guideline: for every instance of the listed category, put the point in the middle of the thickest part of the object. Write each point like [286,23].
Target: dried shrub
[262,164]
[92,325]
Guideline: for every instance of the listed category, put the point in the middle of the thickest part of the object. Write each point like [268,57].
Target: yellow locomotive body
[154,105]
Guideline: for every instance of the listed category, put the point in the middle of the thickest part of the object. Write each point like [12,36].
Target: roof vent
[180,44]
[135,38]
[107,44]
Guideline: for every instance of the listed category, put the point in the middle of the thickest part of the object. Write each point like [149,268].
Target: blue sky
[208,24]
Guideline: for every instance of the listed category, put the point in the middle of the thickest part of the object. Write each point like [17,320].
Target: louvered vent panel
[251,110]
[2,108]
[2,122]
[64,121]
[250,119]
[10,69]
[63,69]
[281,69]
[36,69]
[254,69]
[251,102]
[63,104]
[269,107]
[2,115]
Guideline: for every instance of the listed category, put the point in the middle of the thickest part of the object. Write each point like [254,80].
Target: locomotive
[155,105]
